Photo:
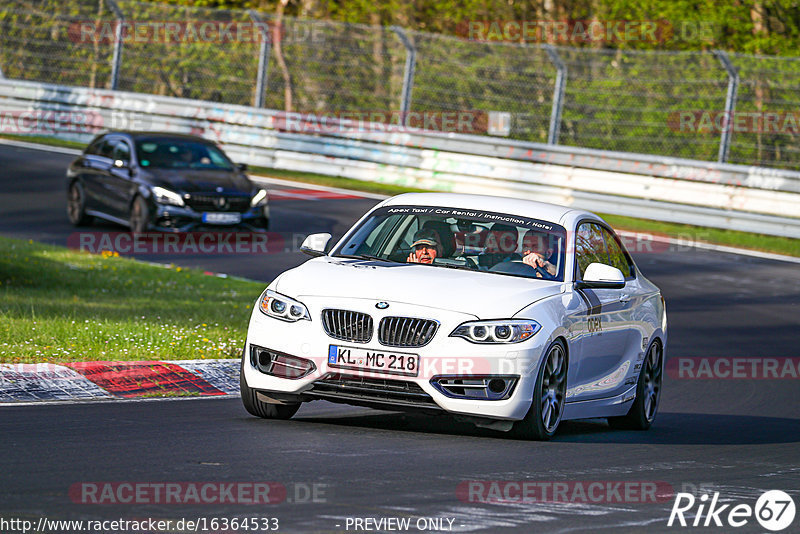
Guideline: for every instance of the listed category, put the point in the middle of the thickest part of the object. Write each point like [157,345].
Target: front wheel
[549,394]
[140,216]
[76,205]
[648,393]
[259,408]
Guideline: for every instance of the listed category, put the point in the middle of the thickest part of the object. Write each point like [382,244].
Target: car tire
[549,396]
[262,409]
[648,393]
[140,216]
[76,205]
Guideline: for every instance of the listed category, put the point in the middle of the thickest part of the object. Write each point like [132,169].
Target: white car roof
[553,213]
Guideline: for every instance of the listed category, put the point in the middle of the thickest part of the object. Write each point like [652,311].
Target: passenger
[500,246]
[537,252]
[426,247]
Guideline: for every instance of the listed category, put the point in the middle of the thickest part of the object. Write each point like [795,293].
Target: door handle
[624,297]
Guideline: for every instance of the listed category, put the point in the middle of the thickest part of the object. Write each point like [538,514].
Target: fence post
[558,95]
[117,57]
[408,76]
[730,104]
[263,57]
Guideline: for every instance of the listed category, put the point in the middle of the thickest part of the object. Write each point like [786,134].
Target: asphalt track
[736,437]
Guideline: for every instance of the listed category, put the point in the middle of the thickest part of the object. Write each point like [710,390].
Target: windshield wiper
[364,257]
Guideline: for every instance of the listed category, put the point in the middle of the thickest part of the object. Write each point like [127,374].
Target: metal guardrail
[686,191]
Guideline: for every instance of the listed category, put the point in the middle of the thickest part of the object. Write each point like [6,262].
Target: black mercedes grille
[200,202]
[347,325]
[406,331]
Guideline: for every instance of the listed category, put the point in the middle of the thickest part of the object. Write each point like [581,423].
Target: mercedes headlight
[282,307]
[502,331]
[260,198]
[165,196]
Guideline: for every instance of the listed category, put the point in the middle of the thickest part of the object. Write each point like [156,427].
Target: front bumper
[444,356]
[171,218]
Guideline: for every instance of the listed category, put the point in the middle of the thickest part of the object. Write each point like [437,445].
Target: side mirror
[601,276]
[121,164]
[315,244]
[242,166]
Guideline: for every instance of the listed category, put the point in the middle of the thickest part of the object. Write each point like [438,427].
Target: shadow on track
[669,428]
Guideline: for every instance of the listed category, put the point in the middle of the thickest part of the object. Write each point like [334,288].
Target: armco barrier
[685,191]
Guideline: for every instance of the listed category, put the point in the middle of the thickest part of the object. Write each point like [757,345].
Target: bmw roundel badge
[382,305]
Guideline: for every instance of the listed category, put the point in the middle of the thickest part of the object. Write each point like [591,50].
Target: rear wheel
[547,408]
[76,205]
[259,408]
[140,216]
[648,393]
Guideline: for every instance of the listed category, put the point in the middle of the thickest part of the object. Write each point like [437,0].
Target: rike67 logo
[774,510]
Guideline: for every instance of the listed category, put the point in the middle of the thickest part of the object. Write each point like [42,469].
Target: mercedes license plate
[222,218]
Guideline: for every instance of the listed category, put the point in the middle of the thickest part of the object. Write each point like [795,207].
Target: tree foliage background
[343,55]
[747,26]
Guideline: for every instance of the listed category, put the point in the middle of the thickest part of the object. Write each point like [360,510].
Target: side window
[373,237]
[121,151]
[106,148]
[616,257]
[94,148]
[589,246]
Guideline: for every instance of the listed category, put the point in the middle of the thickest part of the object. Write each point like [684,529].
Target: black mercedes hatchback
[163,181]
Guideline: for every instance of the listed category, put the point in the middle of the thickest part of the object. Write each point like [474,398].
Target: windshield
[175,153]
[460,239]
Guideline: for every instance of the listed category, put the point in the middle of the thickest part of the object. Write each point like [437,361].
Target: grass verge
[716,236]
[59,305]
[45,140]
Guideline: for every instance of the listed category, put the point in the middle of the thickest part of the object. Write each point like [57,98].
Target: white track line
[302,185]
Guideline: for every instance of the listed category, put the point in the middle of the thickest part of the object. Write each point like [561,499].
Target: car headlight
[165,196]
[502,331]
[282,307]
[260,198]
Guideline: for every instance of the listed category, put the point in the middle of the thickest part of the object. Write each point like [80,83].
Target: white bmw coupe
[513,315]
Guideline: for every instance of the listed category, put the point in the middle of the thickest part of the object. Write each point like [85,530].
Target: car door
[603,324]
[118,184]
[634,305]
[93,167]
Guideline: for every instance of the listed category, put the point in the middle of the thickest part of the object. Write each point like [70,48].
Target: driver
[426,247]
[536,253]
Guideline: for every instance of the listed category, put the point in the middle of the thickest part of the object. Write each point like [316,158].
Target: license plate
[396,363]
[222,218]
